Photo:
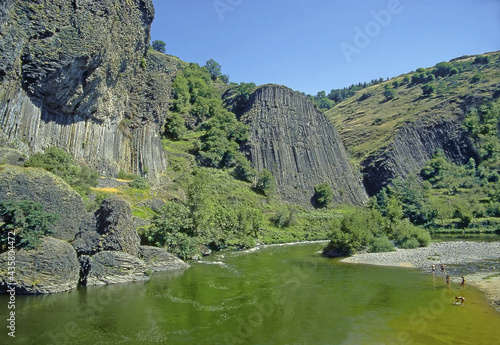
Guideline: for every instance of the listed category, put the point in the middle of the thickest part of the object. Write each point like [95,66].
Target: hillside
[394,135]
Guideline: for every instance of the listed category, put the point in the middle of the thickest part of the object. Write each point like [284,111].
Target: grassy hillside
[368,121]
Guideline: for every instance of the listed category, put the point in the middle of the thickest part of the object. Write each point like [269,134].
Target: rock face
[413,145]
[36,184]
[109,267]
[110,250]
[110,228]
[12,156]
[75,74]
[159,260]
[296,142]
[51,268]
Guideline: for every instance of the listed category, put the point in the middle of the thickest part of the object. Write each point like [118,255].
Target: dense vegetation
[27,220]
[448,197]
[62,164]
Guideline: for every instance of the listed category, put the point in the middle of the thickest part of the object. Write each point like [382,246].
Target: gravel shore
[474,260]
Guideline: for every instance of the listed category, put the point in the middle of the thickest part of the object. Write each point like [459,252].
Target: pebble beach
[479,262]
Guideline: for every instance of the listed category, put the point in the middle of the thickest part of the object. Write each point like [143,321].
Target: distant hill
[392,129]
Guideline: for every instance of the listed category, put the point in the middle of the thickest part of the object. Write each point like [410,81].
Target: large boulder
[52,267]
[110,228]
[111,267]
[39,185]
[11,156]
[159,260]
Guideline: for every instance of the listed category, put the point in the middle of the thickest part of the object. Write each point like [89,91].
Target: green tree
[323,194]
[428,89]
[27,220]
[266,184]
[159,46]
[214,69]
[388,92]
[175,127]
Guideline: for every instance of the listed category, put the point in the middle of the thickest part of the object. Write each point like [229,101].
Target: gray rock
[111,227]
[12,156]
[111,268]
[57,196]
[65,83]
[412,147]
[53,267]
[158,259]
[297,143]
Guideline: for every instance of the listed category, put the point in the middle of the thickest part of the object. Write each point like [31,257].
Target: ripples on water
[272,295]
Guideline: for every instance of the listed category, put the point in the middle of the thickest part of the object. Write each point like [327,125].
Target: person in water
[459,299]
[442,268]
[462,284]
[448,280]
[433,268]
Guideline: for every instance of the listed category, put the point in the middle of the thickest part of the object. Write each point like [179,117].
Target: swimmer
[459,299]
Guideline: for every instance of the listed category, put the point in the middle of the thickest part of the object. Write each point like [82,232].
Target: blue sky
[314,45]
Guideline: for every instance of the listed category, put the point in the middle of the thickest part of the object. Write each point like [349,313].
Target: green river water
[273,295]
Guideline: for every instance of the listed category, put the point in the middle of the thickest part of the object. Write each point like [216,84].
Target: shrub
[159,46]
[139,182]
[266,184]
[61,163]
[285,217]
[388,93]
[381,244]
[410,243]
[323,194]
[27,219]
[428,89]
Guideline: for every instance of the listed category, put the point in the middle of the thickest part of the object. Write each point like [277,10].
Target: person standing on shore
[462,284]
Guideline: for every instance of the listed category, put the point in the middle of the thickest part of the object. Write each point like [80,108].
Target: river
[272,295]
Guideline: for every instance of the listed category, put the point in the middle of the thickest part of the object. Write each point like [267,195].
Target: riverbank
[474,260]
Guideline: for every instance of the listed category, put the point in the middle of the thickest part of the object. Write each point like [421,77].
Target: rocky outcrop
[412,147]
[296,142]
[57,197]
[110,228]
[11,156]
[159,260]
[52,267]
[109,267]
[110,250]
[75,74]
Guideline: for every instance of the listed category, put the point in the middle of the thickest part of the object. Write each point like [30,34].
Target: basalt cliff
[297,143]
[78,75]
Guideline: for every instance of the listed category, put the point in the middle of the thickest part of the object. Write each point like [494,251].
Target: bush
[381,244]
[61,163]
[323,195]
[159,46]
[139,182]
[410,243]
[266,183]
[27,219]
[285,217]
[428,89]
